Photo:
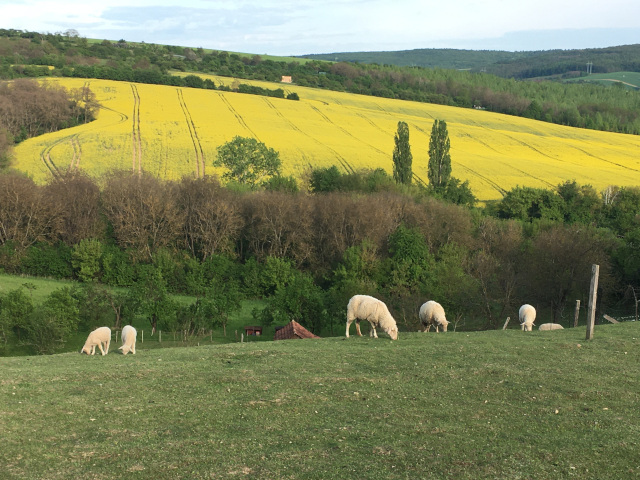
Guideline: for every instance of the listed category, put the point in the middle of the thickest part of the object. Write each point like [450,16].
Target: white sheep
[527,315]
[364,307]
[129,335]
[550,326]
[432,313]
[98,337]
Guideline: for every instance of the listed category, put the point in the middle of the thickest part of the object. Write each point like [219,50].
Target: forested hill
[518,65]
[428,58]
[31,54]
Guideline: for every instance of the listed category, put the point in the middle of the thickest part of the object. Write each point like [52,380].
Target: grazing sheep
[364,307]
[550,326]
[129,335]
[432,313]
[527,315]
[99,336]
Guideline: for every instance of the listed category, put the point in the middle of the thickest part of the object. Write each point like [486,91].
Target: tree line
[29,109]
[578,105]
[305,253]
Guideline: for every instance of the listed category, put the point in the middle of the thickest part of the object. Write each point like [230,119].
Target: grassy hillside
[174,132]
[499,404]
[628,79]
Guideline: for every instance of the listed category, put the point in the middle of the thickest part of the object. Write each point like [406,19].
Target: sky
[298,27]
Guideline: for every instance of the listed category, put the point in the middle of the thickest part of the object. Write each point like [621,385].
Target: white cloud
[309,26]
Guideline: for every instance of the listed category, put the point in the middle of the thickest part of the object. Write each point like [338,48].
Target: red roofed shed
[293,330]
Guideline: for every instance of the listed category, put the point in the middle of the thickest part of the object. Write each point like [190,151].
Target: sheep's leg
[93,349]
[358,328]
[133,349]
[101,349]
[108,342]
[372,332]
[349,320]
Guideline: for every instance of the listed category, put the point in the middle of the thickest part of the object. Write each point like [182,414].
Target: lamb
[432,313]
[129,335]
[527,315]
[364,307]
[550,326]
[99,336]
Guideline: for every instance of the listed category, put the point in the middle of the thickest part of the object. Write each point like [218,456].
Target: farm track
[197,146]
[77,152]
[606,161]
[345,131]
[241,121]
[135,132]
[343,162]
[45,156]
[486,179]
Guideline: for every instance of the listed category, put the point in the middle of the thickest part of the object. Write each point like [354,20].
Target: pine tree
[439,158]
[402,158]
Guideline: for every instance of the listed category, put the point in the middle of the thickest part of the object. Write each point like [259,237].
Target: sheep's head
[444,324]
[393,332]
[86,350]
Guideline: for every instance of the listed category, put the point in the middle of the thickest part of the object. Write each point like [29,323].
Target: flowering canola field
[174,131]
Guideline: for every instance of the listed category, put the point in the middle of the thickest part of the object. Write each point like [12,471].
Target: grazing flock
[101,338]
[364,307]
[360,307]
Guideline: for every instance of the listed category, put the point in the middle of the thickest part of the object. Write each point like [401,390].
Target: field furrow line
[340,158]
[490,182]
[136,135]
[345,131]
[605,160]
[197,146]
[241,121]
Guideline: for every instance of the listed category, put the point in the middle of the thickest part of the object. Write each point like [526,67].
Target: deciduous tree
[248,161]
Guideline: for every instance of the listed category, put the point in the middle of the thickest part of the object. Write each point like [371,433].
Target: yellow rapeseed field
[174,132]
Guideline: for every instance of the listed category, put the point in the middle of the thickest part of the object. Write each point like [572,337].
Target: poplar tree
[439,158]
[402,158]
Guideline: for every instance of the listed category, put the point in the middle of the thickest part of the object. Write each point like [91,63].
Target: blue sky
[288,27]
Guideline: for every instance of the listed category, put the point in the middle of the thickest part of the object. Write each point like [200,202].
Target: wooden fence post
[575,318]
[593,294]
[142,336]
[159,336]
[504,327]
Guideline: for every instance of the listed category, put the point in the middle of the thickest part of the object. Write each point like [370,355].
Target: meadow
[175,131]
[465,405]
[630,79]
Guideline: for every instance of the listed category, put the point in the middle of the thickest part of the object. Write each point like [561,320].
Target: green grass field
[630,79]
[497,404]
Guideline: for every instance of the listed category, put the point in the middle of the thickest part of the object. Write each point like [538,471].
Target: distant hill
[520,65]
[428,57]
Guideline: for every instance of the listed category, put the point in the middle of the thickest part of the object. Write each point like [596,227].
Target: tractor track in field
[136,135]
[372,123]
[45,156]
[123,117]
[77,152]
[241,121]
[344,130]
[500,190]
[197,146]
[605,160]
[343,162]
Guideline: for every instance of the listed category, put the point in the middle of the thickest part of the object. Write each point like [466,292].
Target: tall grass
[498,404]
